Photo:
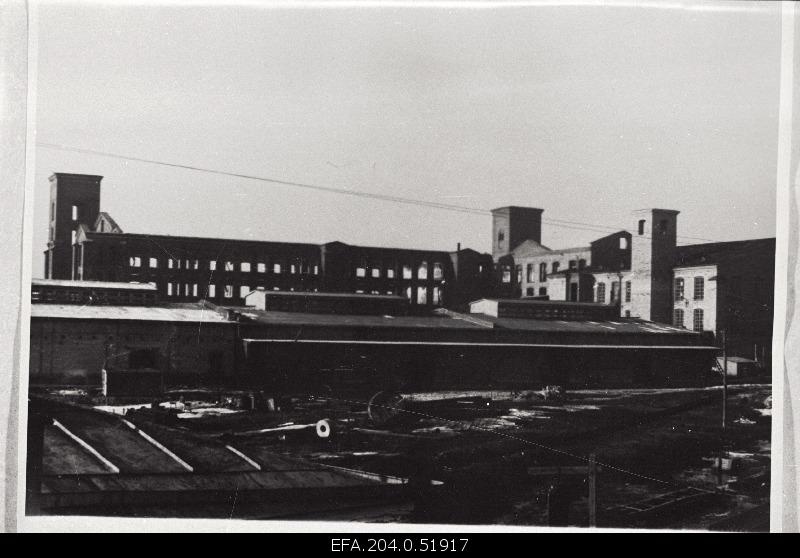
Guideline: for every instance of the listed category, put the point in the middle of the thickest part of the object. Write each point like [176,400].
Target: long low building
[285,350]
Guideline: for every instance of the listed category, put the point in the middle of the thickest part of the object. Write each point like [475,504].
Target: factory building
[716,287]
[87,244]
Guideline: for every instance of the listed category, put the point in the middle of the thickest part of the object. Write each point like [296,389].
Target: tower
[652,259]
[74,200]
[512,225]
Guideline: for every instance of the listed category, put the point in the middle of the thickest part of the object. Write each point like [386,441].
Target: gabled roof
[530,248]
[111,225]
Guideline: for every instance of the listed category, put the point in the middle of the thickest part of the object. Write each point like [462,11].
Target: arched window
[542,272]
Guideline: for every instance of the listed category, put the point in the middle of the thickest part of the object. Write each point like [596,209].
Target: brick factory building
[87,244]
[720,286]
[645,274]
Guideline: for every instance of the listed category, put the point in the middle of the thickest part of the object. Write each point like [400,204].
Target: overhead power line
[562,223]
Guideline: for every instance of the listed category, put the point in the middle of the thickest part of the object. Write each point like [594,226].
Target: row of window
[245,267]
[699,288]
[407,271]
[697,317]
[601,292]
[418,295]
[530,271]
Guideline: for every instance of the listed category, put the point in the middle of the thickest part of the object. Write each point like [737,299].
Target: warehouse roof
[163,313]
[342,320]
[92,284]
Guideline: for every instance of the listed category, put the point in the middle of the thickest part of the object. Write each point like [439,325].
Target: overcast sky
[587,112]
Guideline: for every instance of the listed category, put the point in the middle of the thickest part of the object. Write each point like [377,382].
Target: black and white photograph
[498,264]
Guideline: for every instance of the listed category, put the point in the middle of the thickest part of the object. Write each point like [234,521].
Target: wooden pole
[592,490]
[724,379]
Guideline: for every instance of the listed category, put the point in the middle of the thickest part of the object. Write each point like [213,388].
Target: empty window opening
[361,271]
[679,289]
[212,265]
[422,295]
[407,272]
[74,212]
[212,291]
[261,267]
[74,237]
[601,292]
[135,261]
[623,243]
[228,291]
[422,271]
[390,273]
[438,271]
[408,293]
[245,267]
[437,296]
[153,263]
[169,289]
[244,290]
[229,266]
[376,273]
[276,268]
[194,289]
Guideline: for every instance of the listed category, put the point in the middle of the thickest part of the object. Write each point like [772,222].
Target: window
[529,291]
[437,296]
[194,289]
[153,263]
[623,243]
[229,266]
[196,264]
[518,269]
[74,212]
[316,270]
[506,274]
[408,293]
[243,291]
[422,295]
[542,291]
[390,273]
[212,291]
[293,269]
[699,288]
[627,313]
[228,291]
[601,292]
[529,273]
[555,267]
[169,289]
[615,291]
[276,268]
[677,317]
[376,272]
[74,236]
[542,272]
[407,272]
[627,291]
[212,265]
[186,289]
[678,289]
[698,320]
[422,270]
[261,267]
[641,226]
[501,235]
[244,267]
[438,271]
[361,271]
[135,261]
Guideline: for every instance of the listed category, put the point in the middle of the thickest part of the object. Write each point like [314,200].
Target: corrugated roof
[93,284]
[165,313]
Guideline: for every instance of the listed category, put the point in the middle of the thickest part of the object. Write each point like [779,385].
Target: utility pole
[592,490]
[724,379]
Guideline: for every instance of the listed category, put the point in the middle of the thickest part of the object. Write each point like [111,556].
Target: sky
[589,112]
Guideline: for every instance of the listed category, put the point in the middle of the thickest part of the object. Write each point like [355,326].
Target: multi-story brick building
[87,244]
[724,286]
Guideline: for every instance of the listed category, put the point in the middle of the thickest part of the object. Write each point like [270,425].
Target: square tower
[512,225]
[652,259]
[74,201]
